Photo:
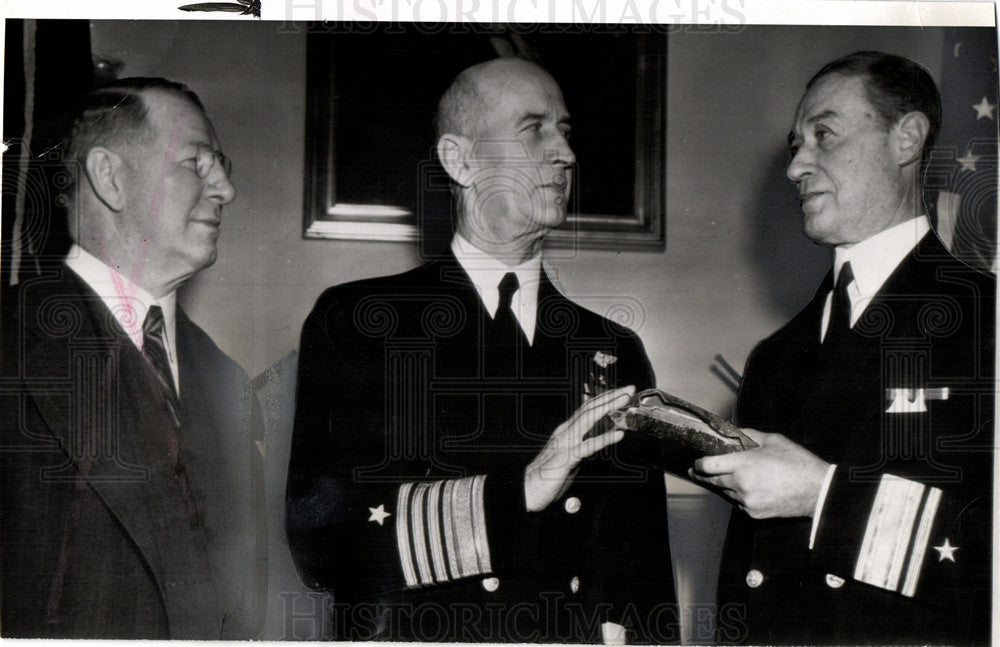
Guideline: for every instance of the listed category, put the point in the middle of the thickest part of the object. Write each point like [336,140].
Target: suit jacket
[904,407]
[97,541]
[405,490]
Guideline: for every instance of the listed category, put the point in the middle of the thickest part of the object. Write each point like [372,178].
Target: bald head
[503,138]
[475,89]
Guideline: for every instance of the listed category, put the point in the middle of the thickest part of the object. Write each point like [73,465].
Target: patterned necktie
[840,307]
[504,332]
[156,352]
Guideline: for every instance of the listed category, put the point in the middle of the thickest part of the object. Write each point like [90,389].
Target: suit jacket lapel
[457,282]
[221,463]
[851,374]
[184,566]
[558,338]
[799,368]
[105,419]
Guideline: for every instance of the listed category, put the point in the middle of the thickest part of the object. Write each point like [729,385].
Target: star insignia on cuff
[968,162]
[984,109]
[379,514]
[946,551]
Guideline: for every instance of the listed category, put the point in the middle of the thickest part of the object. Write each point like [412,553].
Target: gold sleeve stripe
[441,530]
[479,525]
[434,531]
[887,535]
[450,543]
[403,535]
[419,542]
[461,517]
[920,542]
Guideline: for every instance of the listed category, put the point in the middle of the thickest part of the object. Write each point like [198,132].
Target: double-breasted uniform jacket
[405,491]
[904,407]
[97,537]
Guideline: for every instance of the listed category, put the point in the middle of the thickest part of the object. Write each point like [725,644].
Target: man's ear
[104,172]
[910,135]
[454,151]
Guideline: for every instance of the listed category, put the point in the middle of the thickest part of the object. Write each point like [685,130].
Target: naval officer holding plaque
[864,516]
[440,483]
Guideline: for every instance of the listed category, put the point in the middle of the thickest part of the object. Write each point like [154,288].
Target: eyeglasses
[206,159]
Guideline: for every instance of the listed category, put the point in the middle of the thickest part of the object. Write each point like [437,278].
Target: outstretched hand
[778,479]
[549,475]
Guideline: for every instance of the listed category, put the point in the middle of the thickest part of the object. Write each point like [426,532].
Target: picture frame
[371,170]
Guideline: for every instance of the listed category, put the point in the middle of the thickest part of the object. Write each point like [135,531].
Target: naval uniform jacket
[904,407]
[96,537]
[405,487]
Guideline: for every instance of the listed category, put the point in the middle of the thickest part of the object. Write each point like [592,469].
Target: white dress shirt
[127,301]
[486,273]
[872,261]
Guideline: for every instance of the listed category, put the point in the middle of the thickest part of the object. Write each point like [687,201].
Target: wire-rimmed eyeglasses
[206,159]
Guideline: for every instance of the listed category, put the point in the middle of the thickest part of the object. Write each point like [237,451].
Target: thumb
[755,435]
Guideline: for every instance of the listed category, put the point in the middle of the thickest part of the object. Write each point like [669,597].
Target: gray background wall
[735,268]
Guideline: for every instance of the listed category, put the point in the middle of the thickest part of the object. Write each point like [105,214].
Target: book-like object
[683,431]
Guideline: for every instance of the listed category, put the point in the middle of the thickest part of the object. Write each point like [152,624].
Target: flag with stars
[961,177]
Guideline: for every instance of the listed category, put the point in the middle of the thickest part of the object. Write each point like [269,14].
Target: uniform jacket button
[491,584]
[833,581]
[574,584]
[754,578]
[572,505]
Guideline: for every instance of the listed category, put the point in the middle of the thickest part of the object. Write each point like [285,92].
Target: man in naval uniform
[864,517]
[434,486]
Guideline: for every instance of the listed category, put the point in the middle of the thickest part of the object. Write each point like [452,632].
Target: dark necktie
[840,307]
[504,337]
[156,352]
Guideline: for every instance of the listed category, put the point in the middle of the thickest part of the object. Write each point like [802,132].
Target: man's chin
[553,218]
[204,257]
[815,227]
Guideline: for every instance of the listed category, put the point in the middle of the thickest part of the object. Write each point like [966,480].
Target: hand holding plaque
[683,431]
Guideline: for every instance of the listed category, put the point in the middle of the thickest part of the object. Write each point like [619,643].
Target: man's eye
[565,133]
[822,134]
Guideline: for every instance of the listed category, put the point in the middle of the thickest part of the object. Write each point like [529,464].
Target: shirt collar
[485,271]
[126,300]
[874,259]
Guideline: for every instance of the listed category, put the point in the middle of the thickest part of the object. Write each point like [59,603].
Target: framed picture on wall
[371,169]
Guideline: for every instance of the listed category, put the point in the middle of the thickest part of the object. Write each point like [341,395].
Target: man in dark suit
[865,515]
[434,486]
[130,481]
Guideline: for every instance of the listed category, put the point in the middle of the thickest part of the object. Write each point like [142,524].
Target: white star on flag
[379,514]
[969,161]
[984,109]
[946,551]
[963,167]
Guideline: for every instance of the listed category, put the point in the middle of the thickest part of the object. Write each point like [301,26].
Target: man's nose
[562,153]
[219,187]
[800,166]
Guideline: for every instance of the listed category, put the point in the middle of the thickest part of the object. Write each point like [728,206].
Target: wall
[735,268]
